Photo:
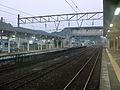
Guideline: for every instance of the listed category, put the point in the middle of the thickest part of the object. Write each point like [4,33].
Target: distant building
[80,36]
[24,39]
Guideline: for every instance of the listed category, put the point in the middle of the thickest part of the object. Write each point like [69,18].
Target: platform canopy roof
[109,7]
[79,28]
[7,29]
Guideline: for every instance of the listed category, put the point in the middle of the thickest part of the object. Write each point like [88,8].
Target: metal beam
[54,18]
[78,17]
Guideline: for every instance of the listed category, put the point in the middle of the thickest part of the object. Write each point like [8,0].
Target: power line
[76,6]
[70,6]
[10,21]
[73,8]
[16,9]
[78,9]
[8,12]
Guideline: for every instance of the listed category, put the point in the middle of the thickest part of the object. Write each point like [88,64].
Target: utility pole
[18,20]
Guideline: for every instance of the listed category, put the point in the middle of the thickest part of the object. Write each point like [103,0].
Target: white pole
[46,45]
[18,42]
[8,44]
[41,46]
[28,46]
[114,43]
[61,44]
[117,43]
[1,43]
[53,43]
[38,46]
[57,44]
[108,43]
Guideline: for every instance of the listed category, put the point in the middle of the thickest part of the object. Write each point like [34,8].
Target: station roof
[9,28]
[67,31]
[78,28]
[6,26]
[109,7]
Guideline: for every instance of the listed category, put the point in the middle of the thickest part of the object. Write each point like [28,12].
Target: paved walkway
[116,55]
[110,70]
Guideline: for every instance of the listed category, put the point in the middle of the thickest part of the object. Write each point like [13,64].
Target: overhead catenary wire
[11,21]
[70,6]
[78,9]
[8,12]
[73,8]
[76,6]
[15,9]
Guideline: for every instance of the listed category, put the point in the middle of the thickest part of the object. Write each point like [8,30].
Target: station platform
[110,70]
[32,51]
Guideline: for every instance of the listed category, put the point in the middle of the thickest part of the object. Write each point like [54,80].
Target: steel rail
[25,76]
[12,67]
[87,82]
[45,73]
[69,83]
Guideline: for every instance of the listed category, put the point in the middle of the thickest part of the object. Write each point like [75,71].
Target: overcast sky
[45,7]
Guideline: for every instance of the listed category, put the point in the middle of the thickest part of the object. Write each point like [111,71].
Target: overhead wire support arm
[92,16]
[60,18]
[51,17]
[71,17]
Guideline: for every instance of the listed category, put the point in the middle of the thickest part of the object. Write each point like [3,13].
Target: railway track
[18,82]
[79,81]
[45,83]
[29,63]
[28,78]
[50,60]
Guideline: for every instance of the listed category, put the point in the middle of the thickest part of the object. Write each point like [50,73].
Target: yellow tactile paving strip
[114,64]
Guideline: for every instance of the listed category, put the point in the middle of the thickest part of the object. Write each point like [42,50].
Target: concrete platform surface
[32,51]
[110,70]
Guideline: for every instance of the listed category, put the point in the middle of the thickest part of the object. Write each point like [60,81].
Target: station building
[82,36]
[24,39]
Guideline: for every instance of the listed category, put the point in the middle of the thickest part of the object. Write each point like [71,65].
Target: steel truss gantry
[57,19]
